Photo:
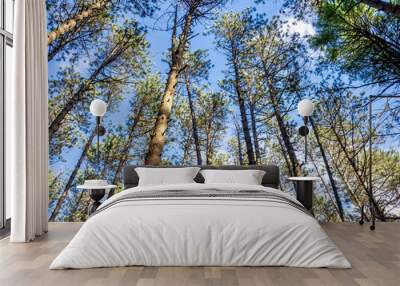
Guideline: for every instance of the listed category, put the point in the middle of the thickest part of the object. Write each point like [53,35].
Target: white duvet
[206,231]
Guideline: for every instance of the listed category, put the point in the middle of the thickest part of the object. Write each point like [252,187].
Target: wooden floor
[375,257]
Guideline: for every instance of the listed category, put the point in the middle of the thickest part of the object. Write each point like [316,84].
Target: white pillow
[248,177]
[166,176]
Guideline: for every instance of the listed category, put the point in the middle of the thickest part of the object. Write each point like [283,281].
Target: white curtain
[27,123]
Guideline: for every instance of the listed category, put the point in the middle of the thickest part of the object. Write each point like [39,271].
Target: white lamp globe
[98,107]
[305,107]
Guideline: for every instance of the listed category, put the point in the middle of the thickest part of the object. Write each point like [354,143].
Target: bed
[198,224]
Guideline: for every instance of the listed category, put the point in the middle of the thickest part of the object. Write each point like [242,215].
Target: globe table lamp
[305,109]
[98,108]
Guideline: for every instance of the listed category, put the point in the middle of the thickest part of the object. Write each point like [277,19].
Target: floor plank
[375,257]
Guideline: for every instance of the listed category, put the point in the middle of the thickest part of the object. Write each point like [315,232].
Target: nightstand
[97,189]
[304,190]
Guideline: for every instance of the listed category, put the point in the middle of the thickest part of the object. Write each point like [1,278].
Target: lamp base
[96,195]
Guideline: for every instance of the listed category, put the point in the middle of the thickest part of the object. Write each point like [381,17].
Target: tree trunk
[239,141]
[209,149]
[285,157]
[354,167]
[328,170]
[243,114]
[346,183]
[326,188]
[71,178]
[388,8]
[67,26]
[157,140]
[194,122]
[208,152]
[294,162]
[254,131]
[84,87]
[186,148]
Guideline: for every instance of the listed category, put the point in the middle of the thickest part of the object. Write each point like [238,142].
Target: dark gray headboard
[271,177]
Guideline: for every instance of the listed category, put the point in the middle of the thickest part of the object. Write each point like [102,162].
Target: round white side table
[96,193]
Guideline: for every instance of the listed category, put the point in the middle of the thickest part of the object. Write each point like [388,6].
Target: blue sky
[159,43]
[160,40]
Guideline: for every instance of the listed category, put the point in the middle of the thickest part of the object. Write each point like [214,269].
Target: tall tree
[110,60]
[147,93]
[253,94]
[75,26]
[239,144]
[197,67]
[69,25]
[194,120]
[180,137]
[362,41]
[278,57]
[71,179]
[328,169]
[64,191]
[231,32]
[359,40]
[212,115]
[193,11]
[347,137]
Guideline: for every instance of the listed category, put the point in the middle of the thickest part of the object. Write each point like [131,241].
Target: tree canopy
[207,82]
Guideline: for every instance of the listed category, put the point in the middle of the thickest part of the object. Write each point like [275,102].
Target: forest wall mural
[215,82]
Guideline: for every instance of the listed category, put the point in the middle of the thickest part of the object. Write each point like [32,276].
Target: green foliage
[212,112]
[361,40]
[111,67]
[324,210]
[197,65]
[84,36]
[55,183]
[386,178]
[271,68]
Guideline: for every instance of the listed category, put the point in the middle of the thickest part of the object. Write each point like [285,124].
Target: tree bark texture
[243,113]
[255,134]
[294,162]
[69,25]
[194,122]
[239,141]
[209,139]
[157,139]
